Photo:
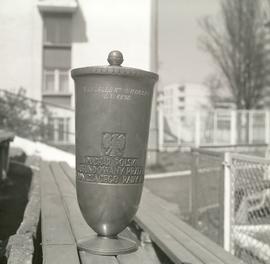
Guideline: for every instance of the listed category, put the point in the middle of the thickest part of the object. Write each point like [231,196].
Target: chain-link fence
[247,207]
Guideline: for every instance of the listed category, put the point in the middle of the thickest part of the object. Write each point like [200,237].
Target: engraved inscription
[116,93]
[111,167]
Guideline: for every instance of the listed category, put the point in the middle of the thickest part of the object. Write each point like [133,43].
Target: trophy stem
[107,246]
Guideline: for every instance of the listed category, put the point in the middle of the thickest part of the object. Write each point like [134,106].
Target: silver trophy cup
[113,106]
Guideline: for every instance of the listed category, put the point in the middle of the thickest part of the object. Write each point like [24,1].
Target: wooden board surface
[198,238]
[180,242]
[65,178]
[58,243]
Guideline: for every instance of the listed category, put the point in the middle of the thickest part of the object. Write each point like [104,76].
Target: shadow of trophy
[113,107]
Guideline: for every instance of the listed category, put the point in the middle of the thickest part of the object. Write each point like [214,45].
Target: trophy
[113,106]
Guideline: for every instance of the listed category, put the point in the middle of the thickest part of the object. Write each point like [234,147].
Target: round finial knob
[115,58]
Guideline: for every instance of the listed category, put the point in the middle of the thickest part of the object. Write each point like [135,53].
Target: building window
[59,130]
[57,29]
[49,81]
[181,88]
[56,81]
[182,99]
[56,53]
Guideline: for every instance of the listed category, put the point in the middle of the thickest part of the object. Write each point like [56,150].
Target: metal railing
[213,127]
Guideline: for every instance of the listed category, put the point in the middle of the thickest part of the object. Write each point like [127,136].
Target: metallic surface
[108,246]
[113,106]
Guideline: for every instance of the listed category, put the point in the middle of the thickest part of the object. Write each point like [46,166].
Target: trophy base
[107,246]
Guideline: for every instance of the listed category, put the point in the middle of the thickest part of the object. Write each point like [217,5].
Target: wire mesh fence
[247,208]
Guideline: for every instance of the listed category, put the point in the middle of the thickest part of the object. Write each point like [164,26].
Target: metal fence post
[233,133]
[179,136]
[194,189]
[160,129]
[250,127]
[227,202]
[267,127]
[221,203]
[197,129]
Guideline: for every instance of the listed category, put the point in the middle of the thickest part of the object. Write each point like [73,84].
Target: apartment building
[179,104]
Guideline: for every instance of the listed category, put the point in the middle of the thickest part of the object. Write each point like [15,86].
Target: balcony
[57,6]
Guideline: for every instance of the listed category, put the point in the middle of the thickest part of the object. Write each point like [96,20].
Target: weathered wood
[68,193]
[144,255]
[159,205]
[56,254]
[170,246]
[32,210]
[87,258]
[179,241]
[20,248]
[58,243]
[70,172]
[66,183]
[183,239]
[79,227]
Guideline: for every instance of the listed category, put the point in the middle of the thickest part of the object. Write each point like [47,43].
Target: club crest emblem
[113,144]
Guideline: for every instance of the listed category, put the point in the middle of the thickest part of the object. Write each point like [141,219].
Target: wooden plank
[57,239]
[70,172]
[145,255]
[87,258]
[170,246]
[56,254]
[213,248]
[140,256]
[79,227]
[204,249]
[185,240]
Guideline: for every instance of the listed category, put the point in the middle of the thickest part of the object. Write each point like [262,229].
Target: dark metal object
[113,106]
[5,139]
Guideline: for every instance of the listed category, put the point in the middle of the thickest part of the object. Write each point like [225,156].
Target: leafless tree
[236,44]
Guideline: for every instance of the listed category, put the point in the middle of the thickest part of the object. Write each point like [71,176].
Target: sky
[181,60]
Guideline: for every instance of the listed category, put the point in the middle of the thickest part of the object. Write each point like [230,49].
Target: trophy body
[113,106]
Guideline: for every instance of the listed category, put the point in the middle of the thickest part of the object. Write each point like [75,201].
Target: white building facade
[42,40]
[179,104]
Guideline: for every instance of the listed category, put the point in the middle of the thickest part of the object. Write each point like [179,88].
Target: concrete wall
[20,46]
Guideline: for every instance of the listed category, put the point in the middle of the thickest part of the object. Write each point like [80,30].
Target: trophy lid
[115,59]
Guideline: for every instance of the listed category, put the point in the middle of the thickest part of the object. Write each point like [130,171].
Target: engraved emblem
[113,144]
